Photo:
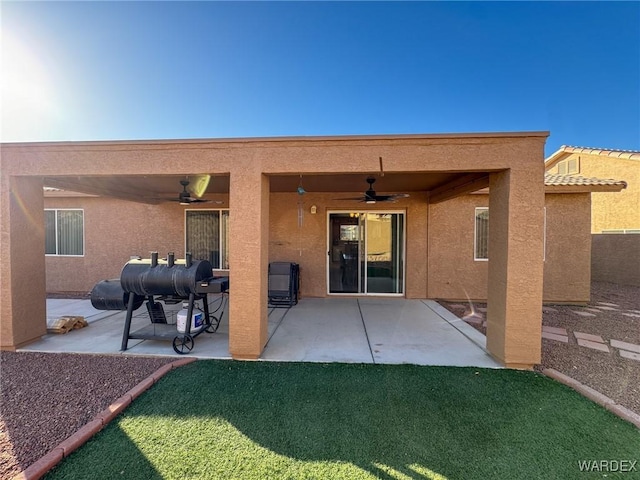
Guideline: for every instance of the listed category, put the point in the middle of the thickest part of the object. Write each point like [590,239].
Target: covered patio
[256,180]
[347,330]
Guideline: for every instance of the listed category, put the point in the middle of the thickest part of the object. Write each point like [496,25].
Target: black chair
[284,282]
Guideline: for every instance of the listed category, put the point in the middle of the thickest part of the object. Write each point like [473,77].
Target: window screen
[64,232]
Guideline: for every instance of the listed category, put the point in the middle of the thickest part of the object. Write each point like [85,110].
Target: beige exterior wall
[22,267]
[513,160]
[453,270]
[307,245]
[614,257]
[114,230]
[515,275]
[567,266]
[439,265]
[610,212]
[140,229]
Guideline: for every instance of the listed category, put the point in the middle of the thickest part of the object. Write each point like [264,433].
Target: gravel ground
[46,397]
[608,373]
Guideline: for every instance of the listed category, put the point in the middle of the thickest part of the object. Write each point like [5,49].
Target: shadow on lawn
[395,422]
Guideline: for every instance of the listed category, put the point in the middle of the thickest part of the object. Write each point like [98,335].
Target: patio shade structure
[246,172]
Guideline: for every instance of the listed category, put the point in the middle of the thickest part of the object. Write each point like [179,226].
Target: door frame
[402,212]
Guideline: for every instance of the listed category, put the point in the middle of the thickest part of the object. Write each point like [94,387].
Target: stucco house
[305,200]
[609,213]
[615,255]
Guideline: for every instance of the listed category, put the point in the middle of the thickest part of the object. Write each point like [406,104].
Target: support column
[514,316]
[23,308]
[248,263]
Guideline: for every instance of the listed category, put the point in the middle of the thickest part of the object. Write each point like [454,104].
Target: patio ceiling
[154,189]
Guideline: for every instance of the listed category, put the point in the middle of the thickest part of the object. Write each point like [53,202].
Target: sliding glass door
[366,252]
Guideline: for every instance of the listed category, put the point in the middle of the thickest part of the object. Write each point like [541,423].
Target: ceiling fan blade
[203,200]
[361,198]
[391,198]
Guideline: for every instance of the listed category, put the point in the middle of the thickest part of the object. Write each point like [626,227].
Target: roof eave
[555,157]
[582,188]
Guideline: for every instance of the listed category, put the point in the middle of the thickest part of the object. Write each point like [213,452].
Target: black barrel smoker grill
[170,281]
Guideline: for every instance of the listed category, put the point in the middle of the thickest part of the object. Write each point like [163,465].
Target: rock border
[595,396]
[37,470]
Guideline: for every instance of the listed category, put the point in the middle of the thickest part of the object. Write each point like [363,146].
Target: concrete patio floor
[350,330]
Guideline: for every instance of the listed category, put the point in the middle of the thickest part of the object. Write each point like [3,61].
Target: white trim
[475,235]
[55,226]
[220,236]
[329,247]
[544,237]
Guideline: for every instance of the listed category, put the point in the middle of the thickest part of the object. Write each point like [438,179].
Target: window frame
[475,235]
[621,231]
[222,241]
[56,210]
[567,164]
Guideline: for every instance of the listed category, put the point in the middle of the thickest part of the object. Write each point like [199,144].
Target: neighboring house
[288,199]
[615,255]
[609,213]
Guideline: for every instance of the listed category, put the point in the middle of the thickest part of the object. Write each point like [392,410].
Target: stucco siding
[114,230]
[616,258]
[611,211]
[439,239]
[454,274]
[452,269]
[568,248]
[306,244]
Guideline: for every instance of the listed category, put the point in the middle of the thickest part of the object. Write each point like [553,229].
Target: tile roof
[605,152]
[602,151]
[571,180]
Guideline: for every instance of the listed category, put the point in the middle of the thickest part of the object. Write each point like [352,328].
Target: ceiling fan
[370,195]
[185,198]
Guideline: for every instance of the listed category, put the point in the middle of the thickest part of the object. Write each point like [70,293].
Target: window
[568,167]
[207,236]
[349,233]
[481,234]
[64,232]
[573,165]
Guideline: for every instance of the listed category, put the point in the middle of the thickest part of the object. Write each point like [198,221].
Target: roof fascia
[583,188]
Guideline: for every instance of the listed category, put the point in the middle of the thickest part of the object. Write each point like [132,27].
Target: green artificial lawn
[263,420]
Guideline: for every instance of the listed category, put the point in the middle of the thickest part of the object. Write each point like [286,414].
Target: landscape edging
[38,469]
[599,398]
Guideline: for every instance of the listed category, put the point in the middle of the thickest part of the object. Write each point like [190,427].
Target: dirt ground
[614,314]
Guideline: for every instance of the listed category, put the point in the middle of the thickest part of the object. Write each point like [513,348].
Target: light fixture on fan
[185,197]
[371,197]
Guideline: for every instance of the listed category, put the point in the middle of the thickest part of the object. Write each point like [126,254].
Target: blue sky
[152,70]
